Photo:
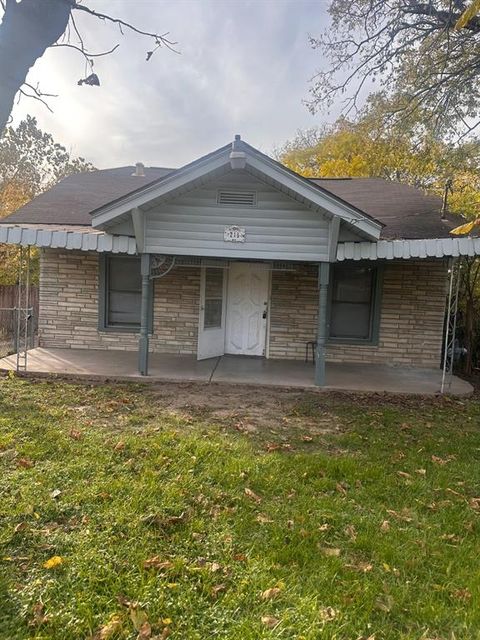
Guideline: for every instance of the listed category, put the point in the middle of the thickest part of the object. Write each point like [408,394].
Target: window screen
[123,292]
[213,298]
[352,302]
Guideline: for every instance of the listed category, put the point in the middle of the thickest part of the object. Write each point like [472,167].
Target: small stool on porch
[311,344]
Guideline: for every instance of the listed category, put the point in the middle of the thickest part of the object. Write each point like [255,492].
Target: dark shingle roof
[73,199]
[405,211]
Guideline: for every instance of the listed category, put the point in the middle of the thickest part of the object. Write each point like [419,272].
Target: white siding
[277,228]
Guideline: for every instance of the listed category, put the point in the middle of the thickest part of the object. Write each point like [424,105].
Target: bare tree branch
[160,39]
[407,47]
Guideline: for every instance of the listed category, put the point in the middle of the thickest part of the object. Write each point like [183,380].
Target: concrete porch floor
[122,365]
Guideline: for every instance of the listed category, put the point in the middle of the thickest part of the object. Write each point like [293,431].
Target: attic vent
[237,198]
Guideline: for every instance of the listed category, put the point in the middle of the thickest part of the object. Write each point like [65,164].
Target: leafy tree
[30,27]
[365,149]
[412,154]
[30,162]
[425,54]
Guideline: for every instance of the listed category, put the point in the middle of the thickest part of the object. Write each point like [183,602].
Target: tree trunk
[28,28]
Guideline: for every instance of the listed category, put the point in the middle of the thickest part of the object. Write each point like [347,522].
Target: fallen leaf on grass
[324,527]
[216,589]
[270,621]
[138,617]
[341,488]
[75,434]
[328,613]
[351,532]
[272,446]
[145,631]
[462,594]
[263,519]
[215,566]
[442,461]
[21,526]
[38,615]
[119,446]
[403,515]
[331,552]
[25,463]
[156,563]
[362,567]
[307,438]
[55,493]
[110,629]
[421,472]
[385,526]
[404,474]
[272,593]
[54,561]
[253,496]
[384,604]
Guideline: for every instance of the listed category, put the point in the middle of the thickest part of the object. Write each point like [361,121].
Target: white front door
[247,308]
[211,330]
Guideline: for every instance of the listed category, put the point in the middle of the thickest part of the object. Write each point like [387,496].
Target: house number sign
[234,234]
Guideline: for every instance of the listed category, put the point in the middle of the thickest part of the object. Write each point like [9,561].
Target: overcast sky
[244,68]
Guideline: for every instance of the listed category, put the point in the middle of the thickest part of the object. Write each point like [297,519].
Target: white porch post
[144,313]
[322,322]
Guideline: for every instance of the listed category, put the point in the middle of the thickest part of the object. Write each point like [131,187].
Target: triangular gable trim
[255,160]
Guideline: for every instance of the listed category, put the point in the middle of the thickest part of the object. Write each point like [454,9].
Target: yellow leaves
[270,621]
[109,630]
[468,227]
[470,12]
[53,562]
[253,496]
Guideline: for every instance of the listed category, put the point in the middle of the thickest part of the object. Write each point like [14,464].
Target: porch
[123,365]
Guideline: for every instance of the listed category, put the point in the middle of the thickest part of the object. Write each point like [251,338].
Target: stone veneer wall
[69,307]
[411,324]
[413,303]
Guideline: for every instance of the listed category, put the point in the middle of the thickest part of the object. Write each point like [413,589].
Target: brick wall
[69,307]
[411,323]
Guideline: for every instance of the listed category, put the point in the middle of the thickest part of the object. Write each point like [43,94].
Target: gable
[276,226]
[237,157]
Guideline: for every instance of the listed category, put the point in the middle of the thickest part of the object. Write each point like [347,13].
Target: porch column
[322,322]
[144,312]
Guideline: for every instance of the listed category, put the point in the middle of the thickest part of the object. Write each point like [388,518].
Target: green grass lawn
[333,518]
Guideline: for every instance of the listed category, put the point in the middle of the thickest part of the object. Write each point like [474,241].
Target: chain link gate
[17,323]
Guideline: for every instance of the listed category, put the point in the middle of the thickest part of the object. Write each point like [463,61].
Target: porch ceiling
[122,365]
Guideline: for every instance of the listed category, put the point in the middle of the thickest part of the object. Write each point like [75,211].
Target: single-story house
[234,253]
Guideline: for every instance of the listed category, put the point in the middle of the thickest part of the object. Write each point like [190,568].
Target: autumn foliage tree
[415,154]
[30,162]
